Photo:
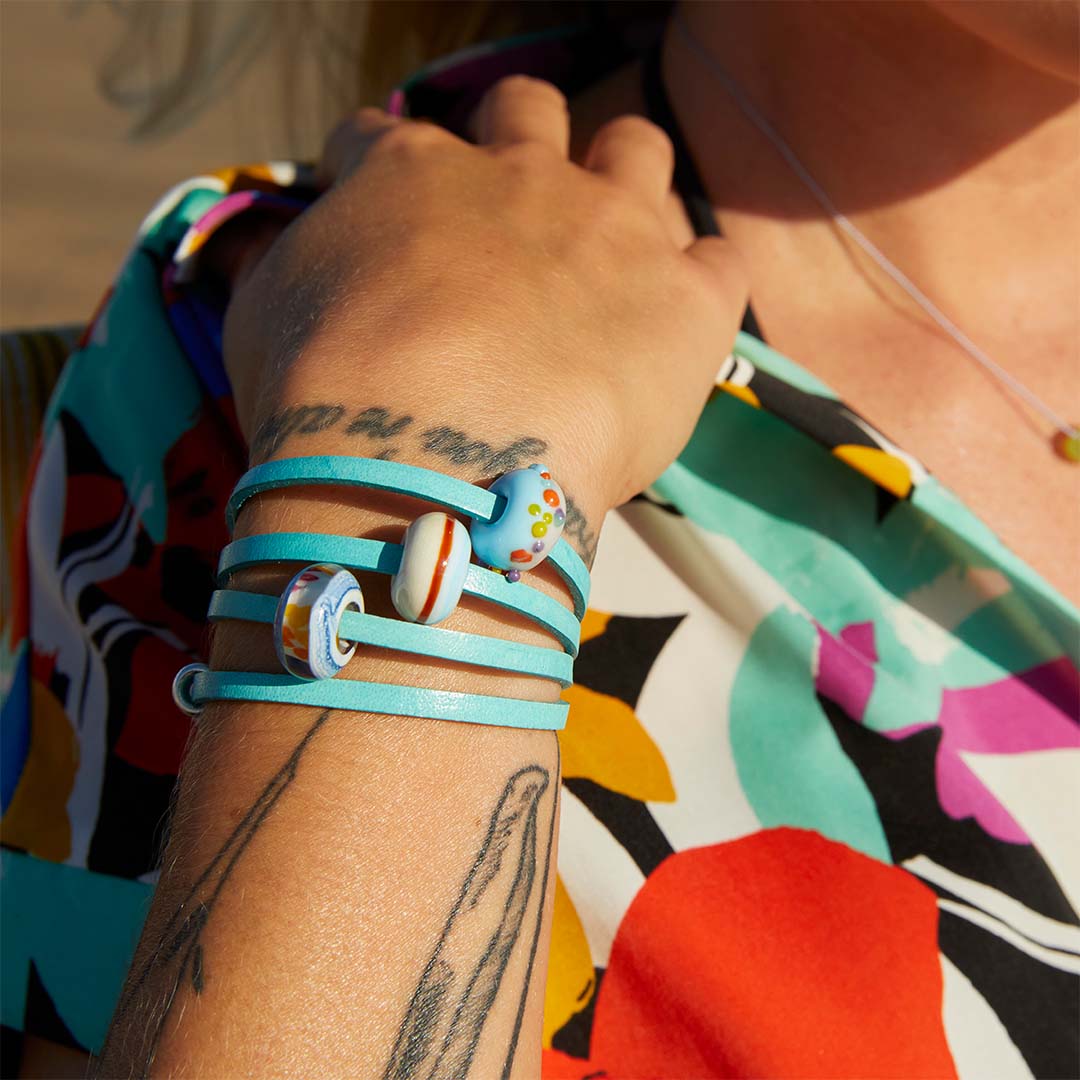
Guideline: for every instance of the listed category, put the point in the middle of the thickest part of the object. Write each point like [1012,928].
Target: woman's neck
[886,99]
[900,114]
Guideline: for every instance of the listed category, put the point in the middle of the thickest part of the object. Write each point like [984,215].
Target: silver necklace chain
[844,223]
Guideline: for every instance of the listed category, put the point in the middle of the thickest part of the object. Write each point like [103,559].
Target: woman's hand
[519,305]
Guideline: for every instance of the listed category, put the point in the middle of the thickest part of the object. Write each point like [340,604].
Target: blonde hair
[318,58]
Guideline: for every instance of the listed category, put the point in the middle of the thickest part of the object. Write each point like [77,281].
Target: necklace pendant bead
[1067,446]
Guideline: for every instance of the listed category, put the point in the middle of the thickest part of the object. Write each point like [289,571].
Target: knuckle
[410,137]
[527,156]
[515,87]
[637,129]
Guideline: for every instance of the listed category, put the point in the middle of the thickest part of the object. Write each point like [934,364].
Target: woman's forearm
[349,894]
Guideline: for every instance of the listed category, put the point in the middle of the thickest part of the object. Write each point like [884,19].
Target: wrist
[537,613]
[414,437]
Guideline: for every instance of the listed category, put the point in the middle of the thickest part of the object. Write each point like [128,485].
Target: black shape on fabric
[901,778]
[90,598]
[81,455]
[144,548]
[824,419]
[618,661]
[42,1018]
[192,484]
[119,671]
[750,324]
[105,629]
[575,1036]
[1041,1018]
[628,820]
[130,831]
[191,494]
[668,508]
[11,1048]
[82,459]
[884,502]
[187,580]
[900,774]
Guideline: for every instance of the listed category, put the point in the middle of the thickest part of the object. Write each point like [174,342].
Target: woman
[813,818]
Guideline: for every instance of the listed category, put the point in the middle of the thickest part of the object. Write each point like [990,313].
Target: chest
[930,398]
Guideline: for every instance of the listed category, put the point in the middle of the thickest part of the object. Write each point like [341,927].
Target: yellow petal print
[882,467]
[604,741]
[571,980]
[743,393]
[594,624]
[36,818]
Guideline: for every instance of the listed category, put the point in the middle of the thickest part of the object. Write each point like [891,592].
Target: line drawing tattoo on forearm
[442,1026]
[178,955]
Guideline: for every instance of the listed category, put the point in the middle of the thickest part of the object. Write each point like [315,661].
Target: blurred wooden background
[73,188]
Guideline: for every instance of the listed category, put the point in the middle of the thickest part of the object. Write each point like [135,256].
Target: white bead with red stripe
[434,563]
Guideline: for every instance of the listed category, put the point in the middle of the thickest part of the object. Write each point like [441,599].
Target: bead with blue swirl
[308,618]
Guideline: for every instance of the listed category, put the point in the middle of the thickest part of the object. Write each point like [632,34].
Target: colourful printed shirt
[820,770]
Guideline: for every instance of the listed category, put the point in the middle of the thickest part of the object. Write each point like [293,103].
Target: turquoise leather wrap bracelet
[319,621]
[194,686]
[384,557]
[401,479]
[373,630]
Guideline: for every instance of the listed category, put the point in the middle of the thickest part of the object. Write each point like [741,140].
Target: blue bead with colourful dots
[529,525]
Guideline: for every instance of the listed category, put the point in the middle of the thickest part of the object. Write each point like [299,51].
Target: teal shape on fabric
[131,387]
[791,766]
[176,211]
[811,522]
[794,503]
[79,928]
[1054,621]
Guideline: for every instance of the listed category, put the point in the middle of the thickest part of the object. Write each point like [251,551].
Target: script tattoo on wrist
[375,422]
[457,447]
[577,528]
[450,443]
[442,1026]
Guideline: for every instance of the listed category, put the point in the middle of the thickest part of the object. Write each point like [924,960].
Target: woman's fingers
[521,109]
[347,144]
[635,154]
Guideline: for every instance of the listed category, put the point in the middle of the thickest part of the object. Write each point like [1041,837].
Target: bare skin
[986,219]
[998,194]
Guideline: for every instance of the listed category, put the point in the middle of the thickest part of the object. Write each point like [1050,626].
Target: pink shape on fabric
[846,667]
[1036,709]
[1030,711]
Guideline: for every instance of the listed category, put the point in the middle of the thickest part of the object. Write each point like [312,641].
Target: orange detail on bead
[521,555]
[551,497]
